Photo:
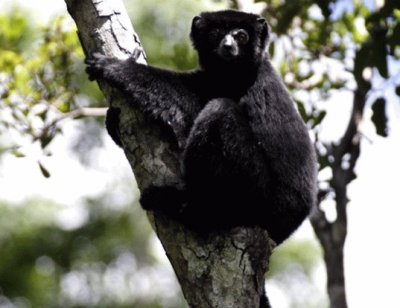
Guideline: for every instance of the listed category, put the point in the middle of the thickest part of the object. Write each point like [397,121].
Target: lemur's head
[229,38]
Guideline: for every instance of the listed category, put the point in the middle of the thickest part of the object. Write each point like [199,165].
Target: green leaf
[9,60]
[302,111]
[18,154]
[379,117]
[46,138]
[44,170]
[318,118]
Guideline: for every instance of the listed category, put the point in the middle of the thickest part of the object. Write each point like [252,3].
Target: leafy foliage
[325,47]
[104,257]
[330,46]
[40,80]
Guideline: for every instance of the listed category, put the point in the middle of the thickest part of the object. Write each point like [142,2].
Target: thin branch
[85,112]
[76,113]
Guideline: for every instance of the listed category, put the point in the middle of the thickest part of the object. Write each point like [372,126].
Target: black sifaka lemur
[247,158]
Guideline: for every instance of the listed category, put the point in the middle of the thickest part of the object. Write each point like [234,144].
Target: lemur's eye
[217,33]
[241,36]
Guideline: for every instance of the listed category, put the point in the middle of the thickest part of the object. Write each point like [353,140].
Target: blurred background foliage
[108,258]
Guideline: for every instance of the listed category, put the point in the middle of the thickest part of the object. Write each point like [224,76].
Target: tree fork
[222,270]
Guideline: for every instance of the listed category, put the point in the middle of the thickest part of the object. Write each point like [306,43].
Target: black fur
[247,156]
[112,118]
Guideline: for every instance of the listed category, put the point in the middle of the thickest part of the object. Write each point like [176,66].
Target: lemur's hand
[96,65]
[137,53]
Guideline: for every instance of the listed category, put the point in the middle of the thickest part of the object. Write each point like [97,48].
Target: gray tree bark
[221,270]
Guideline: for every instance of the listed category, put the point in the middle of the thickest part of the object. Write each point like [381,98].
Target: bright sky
[372,251]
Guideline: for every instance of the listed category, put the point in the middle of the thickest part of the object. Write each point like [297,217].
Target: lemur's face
[230,44]
[229,38]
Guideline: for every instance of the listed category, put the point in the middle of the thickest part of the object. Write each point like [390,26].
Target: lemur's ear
[264,29]
[196,22]
[263,23]
[261,20]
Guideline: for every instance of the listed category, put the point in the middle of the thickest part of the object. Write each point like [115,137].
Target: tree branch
[76,113]
[220,270]
[333,235]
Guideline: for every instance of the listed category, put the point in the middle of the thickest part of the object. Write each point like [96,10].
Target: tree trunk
[221,270]
[332,236]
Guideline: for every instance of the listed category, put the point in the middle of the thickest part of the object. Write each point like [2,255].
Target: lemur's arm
[162,95]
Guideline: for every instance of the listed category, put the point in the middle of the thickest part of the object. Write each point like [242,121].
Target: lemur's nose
[228,42]
[229,46]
